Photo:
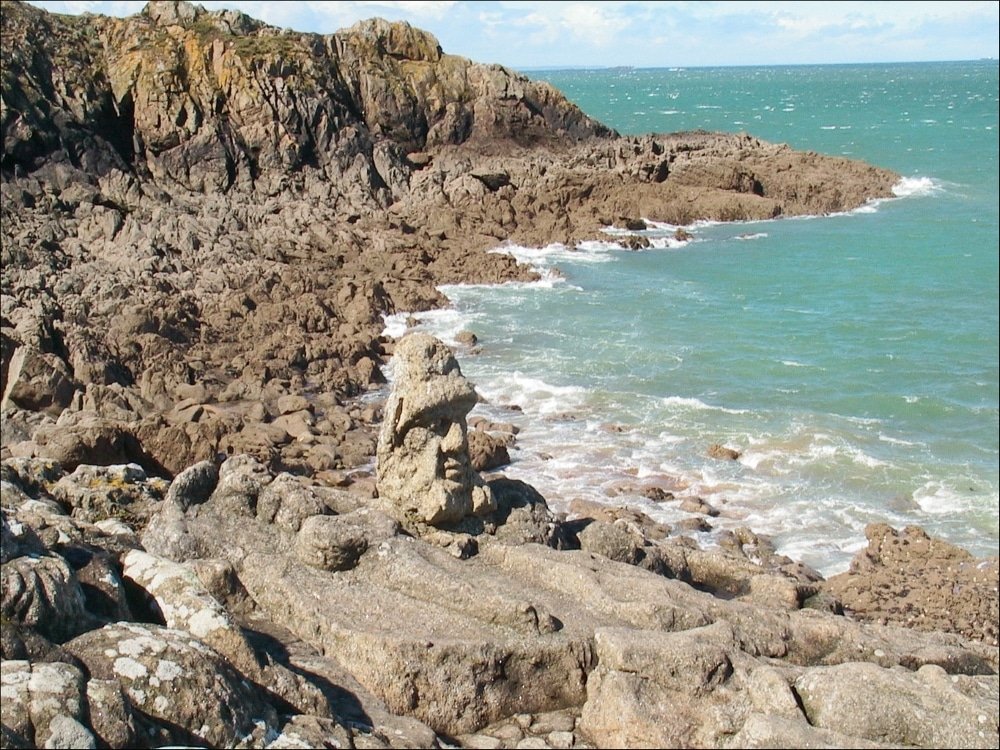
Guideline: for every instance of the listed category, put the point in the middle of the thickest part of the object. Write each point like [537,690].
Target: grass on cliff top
[251,45]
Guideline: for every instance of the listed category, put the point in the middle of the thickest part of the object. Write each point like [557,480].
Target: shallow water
[851,359]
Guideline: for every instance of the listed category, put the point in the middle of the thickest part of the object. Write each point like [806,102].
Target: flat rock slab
[451,643]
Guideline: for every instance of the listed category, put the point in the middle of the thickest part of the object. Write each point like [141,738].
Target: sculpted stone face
[423,451]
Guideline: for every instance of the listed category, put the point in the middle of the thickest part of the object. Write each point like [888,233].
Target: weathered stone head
[424,471]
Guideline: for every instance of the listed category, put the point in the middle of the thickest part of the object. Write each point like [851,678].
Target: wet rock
[634,242]
[466,338]
[487,452]
[699,506]
[722,453]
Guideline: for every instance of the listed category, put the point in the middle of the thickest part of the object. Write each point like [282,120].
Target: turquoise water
[851,359]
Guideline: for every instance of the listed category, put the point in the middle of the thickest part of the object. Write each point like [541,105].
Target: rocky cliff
[202,214]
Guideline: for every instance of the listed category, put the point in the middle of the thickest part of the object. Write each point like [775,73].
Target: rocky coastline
[204,221]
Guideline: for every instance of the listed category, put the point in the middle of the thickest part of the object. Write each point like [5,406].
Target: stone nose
[453,439]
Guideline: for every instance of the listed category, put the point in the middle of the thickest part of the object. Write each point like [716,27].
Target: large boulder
[43,593]
[191,693]
[37,381]
[926,708]
[184,603]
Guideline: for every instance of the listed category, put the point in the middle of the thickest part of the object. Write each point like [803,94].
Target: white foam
[663,225]
[534,394]
[937,498]
[541,258]
[395,324]
[667,243]
[697,405]
[896,441]
[863,459]
[444,323]
[909,186]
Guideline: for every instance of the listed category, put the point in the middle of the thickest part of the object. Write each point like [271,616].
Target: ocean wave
[938,497]
[533,394]
[444,323]
[697,405]
[897,441]
[909,186]
[551,278]
[804,311]
[541,258]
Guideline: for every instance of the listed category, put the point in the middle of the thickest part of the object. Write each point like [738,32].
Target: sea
[850,359]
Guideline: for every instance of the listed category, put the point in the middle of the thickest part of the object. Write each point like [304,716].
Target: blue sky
[570,33]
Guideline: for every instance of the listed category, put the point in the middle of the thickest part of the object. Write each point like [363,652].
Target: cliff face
[202,214]
[210,101]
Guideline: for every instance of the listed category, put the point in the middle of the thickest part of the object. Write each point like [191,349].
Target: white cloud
[596,24]
[73,7]
[646,33]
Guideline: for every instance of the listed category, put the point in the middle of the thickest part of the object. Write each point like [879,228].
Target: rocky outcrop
[906,576]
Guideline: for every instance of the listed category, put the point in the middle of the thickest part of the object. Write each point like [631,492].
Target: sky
[578,33]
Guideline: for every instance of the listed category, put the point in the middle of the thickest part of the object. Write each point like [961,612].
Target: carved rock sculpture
[424,472]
